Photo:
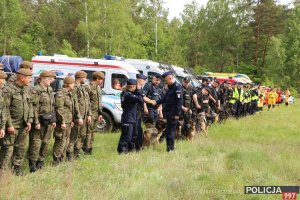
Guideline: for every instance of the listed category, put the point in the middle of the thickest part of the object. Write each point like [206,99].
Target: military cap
[1,66]
[53,74]
[187,79]
[26,65]
[25,72]
[157,75]
[98,75]
[69,80]
[46,74]
[3,75]
[164,75]
[141,76]
[80,74]
[131,81]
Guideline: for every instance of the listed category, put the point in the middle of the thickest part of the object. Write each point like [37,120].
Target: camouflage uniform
[95,94]
[19,112]
[43,102]
[78,133]
[3,111]
[66,109]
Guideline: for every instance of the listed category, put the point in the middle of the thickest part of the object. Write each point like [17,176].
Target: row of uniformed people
[71,115]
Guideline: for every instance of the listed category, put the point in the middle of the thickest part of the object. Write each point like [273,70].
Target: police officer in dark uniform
[173,103]
[140,84]
[152,93]
[130,98]
[187,107]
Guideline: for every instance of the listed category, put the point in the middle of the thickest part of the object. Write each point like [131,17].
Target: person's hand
[100,118]
[185,109]
[72,124]
[89,119]
[2,133]
[191,112]
[146,112]
[154,102]
[63,126]
[53,125]
[28,128]
[80,122]
[11,130]
[198,106]
[37,126]
[176,117]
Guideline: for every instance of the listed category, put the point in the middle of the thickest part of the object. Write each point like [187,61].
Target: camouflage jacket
[66,107]
[95,94]
[43,101]
[81,94]
[19,105]
[3,111]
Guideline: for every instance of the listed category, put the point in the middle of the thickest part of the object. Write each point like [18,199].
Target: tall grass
[258,150]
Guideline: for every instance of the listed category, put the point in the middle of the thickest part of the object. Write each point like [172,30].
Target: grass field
[258,150]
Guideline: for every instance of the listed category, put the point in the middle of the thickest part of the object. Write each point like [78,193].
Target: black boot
[88,151]
[17,170]
[76,154]
[39,164]
[32,166]
[69,156]
[56,161]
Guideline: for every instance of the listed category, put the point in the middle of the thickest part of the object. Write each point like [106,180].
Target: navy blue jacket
[173,100]
[129,103]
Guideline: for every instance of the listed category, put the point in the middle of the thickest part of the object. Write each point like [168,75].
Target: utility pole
[156,36]
[87,28]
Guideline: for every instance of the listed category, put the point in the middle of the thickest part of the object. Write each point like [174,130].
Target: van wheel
[108,125]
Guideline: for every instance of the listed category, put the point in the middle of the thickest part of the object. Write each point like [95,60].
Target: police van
[146,67]
[116,72]
[116,75]
[181,73]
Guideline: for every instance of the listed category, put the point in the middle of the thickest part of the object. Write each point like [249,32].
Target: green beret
[25,72]
[46,74]
[80,74]
[26,65]
[69,80]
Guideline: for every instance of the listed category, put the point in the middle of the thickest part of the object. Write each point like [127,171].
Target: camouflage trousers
[13,148]
[77,137]
[62,138]
[90,134]
[39,142]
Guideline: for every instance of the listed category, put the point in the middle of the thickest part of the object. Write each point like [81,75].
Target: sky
[176,6]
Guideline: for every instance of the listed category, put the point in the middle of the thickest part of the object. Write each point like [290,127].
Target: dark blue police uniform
[129,103]
[153,93]
[173,102]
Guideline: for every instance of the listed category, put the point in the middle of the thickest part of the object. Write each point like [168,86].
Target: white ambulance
[116,72]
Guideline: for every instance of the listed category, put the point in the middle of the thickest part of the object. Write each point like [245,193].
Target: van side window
[118,81]
[90,76]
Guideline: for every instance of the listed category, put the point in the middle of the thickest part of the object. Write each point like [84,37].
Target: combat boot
[76,154]
[17,170]
[69,156]
[56,161]
[88,151]
[32,166]
[40,164]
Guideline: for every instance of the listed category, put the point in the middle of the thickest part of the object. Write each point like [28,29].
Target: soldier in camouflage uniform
[40,135]
[19,119]
[79,130]
[25,65]
[66,108]
[95,94]
[3,109]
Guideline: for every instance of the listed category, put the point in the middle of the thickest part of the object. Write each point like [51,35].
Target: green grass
[258,150]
